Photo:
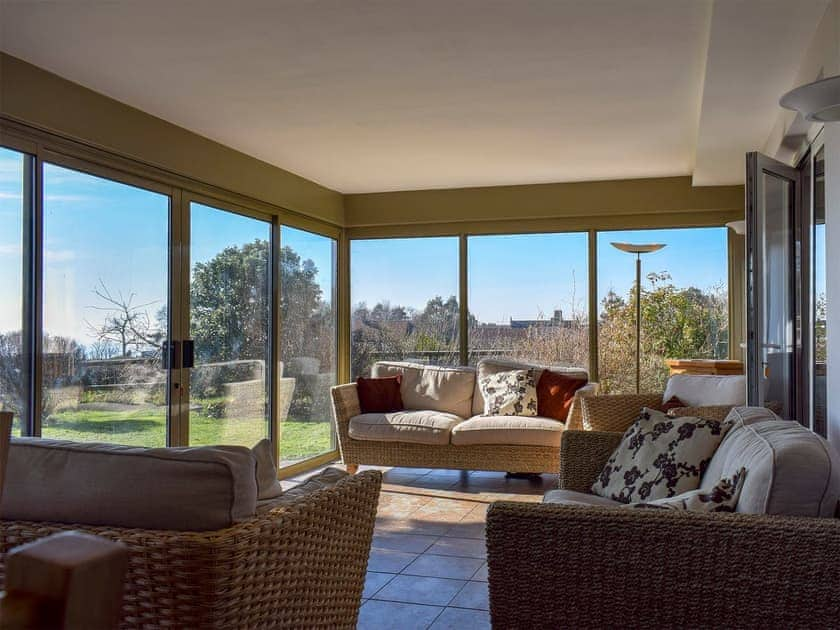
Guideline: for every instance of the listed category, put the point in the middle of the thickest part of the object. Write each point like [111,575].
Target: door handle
[189,353]
[170,355]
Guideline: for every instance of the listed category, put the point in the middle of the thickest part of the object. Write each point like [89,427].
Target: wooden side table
[717,367]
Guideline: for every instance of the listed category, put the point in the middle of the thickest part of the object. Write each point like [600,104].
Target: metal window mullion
[274,336]
[593,305]
[464,311]
[33,302]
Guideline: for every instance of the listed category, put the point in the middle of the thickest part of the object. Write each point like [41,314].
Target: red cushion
[555,393]
[380,395]
[673,403]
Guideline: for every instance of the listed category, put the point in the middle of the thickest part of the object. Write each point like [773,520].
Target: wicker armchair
[554,566]
[298,565]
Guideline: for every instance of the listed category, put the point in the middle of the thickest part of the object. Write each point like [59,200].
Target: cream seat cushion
[790,470]
[570,497]
[417,427]
[439,388]
[518,430]
[696,390]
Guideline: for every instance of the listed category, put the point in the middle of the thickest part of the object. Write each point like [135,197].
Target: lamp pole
[638,250]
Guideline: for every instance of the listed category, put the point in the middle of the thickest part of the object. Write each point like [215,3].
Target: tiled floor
[427,564]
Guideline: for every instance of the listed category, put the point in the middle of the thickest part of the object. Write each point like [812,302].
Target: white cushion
[697,390]
[195,489]
[447,389]
[570,497]
[790,470]
[517,430]
[486,367]
[659,457]
[512,393]
[722,497]
[418,427]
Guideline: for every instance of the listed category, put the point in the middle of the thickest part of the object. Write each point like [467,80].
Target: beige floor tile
[462,619]
[379,615]
[464,547]
[415,589]
[443,566]
[374,581]
[473,595]
[412,543]
[384,561]
[481,574]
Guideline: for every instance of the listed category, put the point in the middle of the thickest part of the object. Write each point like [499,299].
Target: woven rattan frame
[616,412]
[555,566]
[582,457]
[297,566]
[508,458]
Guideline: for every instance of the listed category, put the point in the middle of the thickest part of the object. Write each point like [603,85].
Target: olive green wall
[48,102]
[658,202]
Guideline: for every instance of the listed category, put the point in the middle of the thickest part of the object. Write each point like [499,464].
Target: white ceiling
[368,95]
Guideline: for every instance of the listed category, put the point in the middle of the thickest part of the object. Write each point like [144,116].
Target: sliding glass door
[228,355]
[105,260]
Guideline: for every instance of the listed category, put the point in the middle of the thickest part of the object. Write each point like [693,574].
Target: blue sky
[528,276]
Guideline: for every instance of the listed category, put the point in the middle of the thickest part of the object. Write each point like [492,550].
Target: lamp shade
[818,101]
[634,248]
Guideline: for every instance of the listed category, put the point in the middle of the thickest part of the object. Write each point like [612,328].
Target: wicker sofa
[290,561]
[578,562]
[444,427]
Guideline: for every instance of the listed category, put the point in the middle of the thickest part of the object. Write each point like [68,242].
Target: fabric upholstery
[268,486]
[417,426]
[659,457]
[697,390]
[722,497]
[555,394]
[519,430]
[194,489]
[380,395]
[447,389]
[571,497]
[512,393]
[790,470]
[491,366]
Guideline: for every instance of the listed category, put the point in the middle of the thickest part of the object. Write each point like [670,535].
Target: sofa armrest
[554,566]
[615,412]
[582,457]
[575,419]
[345,399]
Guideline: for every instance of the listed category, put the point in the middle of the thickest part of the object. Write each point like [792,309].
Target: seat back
[790,469]
[432,387]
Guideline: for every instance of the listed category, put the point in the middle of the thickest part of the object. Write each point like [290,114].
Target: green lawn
[146,426]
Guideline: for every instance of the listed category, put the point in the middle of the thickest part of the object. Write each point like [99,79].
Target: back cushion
[486,367]
[432,387]
[194,489]
[790,470]
[698,390]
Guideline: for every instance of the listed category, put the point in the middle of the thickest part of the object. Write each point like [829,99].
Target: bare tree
[126,324]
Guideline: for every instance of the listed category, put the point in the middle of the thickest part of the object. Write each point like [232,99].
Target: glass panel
[405,305]
[13,390]
[106,252]
[684,304]
[307,344]
[819,297]
[538,316]
[776,340]
[230,305]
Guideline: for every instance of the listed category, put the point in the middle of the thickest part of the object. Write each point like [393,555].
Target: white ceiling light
[818,101]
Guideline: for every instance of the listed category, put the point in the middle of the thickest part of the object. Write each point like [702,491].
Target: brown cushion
[672,403]
[380,395]
[555,393]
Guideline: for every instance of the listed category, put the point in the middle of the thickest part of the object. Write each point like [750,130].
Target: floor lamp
[631,248]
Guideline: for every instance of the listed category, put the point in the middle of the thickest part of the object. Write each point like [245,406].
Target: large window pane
[528,298]
[230,304]
[405,305]
[684,304]
[105,310]
[307,343]
[819,297]
[13,390]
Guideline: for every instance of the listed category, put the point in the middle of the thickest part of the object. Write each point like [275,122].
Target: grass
[146,426]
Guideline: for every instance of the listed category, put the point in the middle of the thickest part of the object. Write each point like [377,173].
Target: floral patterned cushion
[512,393]
[659,457]
[723,497]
